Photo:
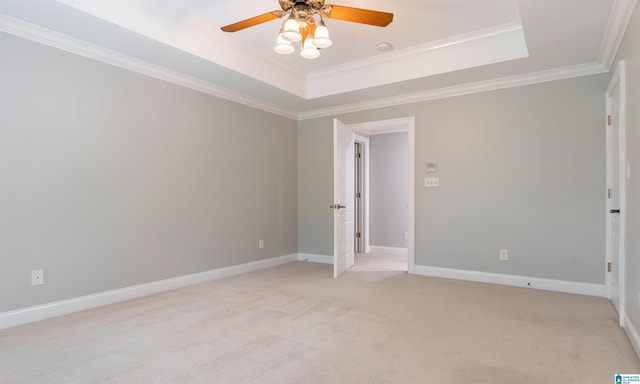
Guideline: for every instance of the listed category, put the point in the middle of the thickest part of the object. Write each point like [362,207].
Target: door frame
[365,194]
[404,124]
[618,79]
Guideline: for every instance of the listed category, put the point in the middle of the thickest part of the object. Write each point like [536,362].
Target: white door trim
[404,124]
[619,80]
[365,200]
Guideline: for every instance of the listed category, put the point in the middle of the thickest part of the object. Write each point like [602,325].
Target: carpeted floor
[295,324]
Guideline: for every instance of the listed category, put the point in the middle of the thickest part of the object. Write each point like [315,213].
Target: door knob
[337,206]
[614,211]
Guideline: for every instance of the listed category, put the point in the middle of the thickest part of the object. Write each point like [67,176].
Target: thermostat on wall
[431,167]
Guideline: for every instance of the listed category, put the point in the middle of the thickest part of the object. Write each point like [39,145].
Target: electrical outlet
[37,277]
[260,244]
[504,255]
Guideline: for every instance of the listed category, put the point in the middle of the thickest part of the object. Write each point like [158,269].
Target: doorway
[363,131]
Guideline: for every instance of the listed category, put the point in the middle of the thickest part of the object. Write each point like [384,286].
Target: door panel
[343,201]
[616,165]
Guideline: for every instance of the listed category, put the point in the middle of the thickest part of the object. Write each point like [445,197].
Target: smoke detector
[384,46]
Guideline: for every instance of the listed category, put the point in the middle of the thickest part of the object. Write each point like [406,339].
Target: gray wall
[388,182]
[521,169]
[630,51]
[315,186]
[109,178]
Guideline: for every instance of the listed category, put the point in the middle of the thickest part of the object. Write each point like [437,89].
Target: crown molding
[201,40]
[66,43]
[618,22]
[403,54]
[459,90]
[493,45]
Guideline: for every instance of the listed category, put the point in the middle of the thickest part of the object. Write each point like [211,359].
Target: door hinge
[357,235]
[609,267]
[609,193]
[358,155]
[358,195]
[608,119]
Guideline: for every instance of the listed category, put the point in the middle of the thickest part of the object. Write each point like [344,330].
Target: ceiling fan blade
[253,21]
[358,15]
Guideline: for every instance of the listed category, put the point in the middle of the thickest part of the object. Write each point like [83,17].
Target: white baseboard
[322,259]
[632,334]
[389,250]
[599,290]
[63,307]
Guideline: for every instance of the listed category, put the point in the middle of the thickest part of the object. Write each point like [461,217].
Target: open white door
[616,174]
[343,197]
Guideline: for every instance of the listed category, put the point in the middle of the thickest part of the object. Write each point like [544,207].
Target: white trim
[389,250]
[492,45]
[607,204]
[618,22]
[599,290]
[459,90]
[633,336]
[66,43]
[63,307]
[311,258]
[476,37]
[411,219]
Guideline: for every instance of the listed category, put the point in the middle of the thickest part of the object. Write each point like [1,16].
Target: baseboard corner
[632,334]
[313,258]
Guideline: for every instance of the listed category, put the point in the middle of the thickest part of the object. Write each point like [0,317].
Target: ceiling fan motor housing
[286,5]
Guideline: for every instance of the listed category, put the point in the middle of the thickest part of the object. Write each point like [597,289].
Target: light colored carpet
[379,262]
[295,324]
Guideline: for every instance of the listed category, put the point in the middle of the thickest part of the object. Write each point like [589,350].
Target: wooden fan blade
[358,15]
[253,21]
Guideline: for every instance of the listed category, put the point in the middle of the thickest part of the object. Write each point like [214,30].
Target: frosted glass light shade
[321,38]
[283,46]
[291,31]
[309,51]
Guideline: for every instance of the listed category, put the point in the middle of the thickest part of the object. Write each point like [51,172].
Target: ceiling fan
[300,24]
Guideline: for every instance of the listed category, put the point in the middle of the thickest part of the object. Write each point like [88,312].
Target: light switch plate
[431,182]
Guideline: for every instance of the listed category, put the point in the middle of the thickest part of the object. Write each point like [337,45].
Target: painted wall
[521,169]
[110,179]
[388,189]
[630,52]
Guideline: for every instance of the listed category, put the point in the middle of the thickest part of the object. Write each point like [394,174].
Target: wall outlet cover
[37,277]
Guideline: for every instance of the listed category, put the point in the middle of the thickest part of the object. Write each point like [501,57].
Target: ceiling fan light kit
[283,46]
[300,24]
[291,30]
[309,50]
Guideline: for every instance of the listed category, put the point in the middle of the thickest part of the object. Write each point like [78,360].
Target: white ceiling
[441,47]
